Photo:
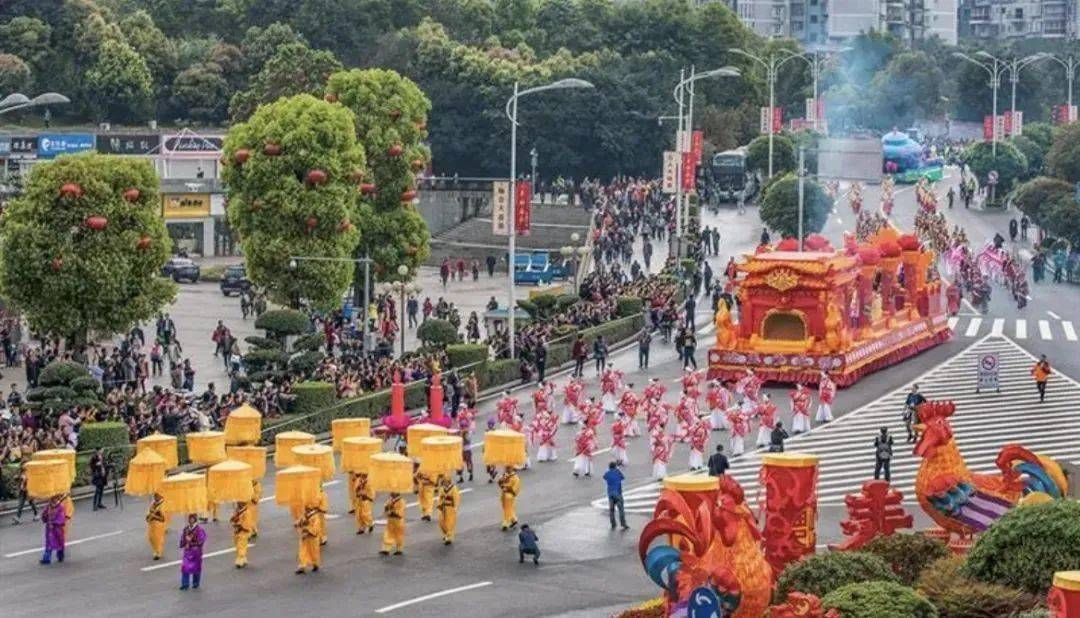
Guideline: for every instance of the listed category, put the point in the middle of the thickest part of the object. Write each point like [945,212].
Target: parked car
[234,281]
[181,269]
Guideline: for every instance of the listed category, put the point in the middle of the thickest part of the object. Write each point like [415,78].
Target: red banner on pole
[697,146]
[1008,123]
[523,207]
[988,128]
[689,172]
[820,117]
[777,119]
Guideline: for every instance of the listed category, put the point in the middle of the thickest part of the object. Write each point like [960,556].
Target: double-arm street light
[772,64]
[994,67]
[817,59]
[571,254]
[404,287]
[684,97]
[1069,64]
[18,100]
[1015,66]
[511,113]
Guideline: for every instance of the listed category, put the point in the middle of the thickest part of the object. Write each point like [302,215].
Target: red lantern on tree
[395,151]
[71,190]
[132,195]
[408,196]
[241,156]
[316,177]
[96,222]
[144,243]
[358,176]
[417,165]
[367,188]
[57,264]
[311,223]
[271,149]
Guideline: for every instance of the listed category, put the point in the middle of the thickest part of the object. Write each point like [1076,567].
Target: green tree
[14,74]
[878,599]
[1041,133]
[390,113]
[201,93]
[26,37]
[780,207]
[1063,159]
[1009,163]
[261,44]
[291,172]
[1062,219]
[159,51]
[1034,153]
[118,86]
[909,88]
[1035,197]
[757,155]
[294,69]
[83,246]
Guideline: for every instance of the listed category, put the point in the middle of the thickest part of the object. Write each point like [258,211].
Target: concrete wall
[850,159]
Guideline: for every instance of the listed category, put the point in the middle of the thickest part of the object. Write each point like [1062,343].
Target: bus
[729,175]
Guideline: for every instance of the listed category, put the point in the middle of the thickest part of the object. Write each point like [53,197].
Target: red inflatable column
[397,399]
[790,531]
[1064,597]
[435,399]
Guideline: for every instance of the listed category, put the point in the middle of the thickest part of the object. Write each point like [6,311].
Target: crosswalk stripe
[998,329]
[1044,330]
[983,424]
[973,327]
[953,321]
[1021,328]
[1070,332]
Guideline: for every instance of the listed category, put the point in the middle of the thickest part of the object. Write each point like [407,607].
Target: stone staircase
[552,227]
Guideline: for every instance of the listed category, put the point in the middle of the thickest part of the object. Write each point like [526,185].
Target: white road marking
[38,550]
[1053,315]
[953,321]
[1044,330]
[1070,332]
[998,328]
[1021,329]
[172,563]
[434,595]
[973,327]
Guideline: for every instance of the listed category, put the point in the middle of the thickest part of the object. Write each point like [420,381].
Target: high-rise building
[915,20]
[1005,19]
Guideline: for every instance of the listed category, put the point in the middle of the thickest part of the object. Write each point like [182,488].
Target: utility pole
[802,195]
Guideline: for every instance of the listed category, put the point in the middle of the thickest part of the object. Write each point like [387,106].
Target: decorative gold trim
[782,279]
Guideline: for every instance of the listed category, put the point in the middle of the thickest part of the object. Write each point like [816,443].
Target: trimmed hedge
[281,323]
[264,359]
[878,599]
[313,396]
[309,343]
[1027,546]
[436,332]
[465,354]
[956,596]
[61,373]
[820,574]
[628,306]
[305,362]
[907,554]
[103,435]
[558,354]
[502,371]
[262,343]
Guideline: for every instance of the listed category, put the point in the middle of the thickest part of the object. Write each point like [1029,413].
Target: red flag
[988,128]
[697,146]
[689,172]
[778,119]
[523,207]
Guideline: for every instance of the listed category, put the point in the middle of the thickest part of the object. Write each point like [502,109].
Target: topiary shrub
[780,207]
[305,362]
[281,323]
[85,383]
[565,301]
[907,554]
[437,333]
[61,373]
[103,435]
[312,342]
[628,305]
[541,307]
[64,384]
[466,354]
[822,573]
[312,397]
[265,359]
[1010,164]
[956,596]
[262,343]
[878,599]
[1024,548]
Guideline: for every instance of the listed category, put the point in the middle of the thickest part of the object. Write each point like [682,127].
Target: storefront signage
[185,205]
[500,208]
[192,146]
[23,147]
[128,143]
[51,145]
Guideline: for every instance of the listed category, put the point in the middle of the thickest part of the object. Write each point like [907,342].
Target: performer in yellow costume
[69,510]
[241,522]
[155,526]
[425,488]
[449,500]
[253,507]
[363,503]
[394,534]
[324,507]
[309,551]
[510,487]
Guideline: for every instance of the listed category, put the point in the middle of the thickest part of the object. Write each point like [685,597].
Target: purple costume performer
[54,516]
[192,540]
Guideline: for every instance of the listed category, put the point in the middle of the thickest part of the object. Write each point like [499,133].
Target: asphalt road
[586,570]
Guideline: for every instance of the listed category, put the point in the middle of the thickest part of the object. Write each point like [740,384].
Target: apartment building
[1005,19]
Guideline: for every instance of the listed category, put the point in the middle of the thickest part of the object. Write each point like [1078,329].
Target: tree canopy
[780,208]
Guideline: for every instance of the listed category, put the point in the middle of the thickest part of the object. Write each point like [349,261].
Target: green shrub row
[466,354]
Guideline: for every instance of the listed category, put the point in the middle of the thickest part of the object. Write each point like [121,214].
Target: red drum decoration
[788,244]
[790,481]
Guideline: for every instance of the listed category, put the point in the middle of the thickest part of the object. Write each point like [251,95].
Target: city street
[586,569]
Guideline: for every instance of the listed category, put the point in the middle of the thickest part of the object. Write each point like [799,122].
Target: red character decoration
[790,481]
[877,511]
[801,605]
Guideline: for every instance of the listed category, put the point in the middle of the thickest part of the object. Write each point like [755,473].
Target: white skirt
[737,445]
[697,460]
[546,453]
[824,413]
[569,415]
[763,435]
[582,465]
[800,423]
[619,455]
[718,421]
[608,403]
[633,430]
[659,470]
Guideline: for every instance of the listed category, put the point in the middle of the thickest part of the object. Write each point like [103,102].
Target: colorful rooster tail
[1041,475]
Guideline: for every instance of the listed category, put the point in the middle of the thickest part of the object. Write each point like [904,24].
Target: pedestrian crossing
[983,423]
[972,327]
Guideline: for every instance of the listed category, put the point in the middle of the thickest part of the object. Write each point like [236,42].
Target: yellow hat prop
[284,443]
[184,493]
[46,478]
[297,486]
[67,454]
[391,473]
[504,447]
[145,473]
[162,444]
[342,428]
[356,453]
[229,481]
[254,456]
[319,456]
[206,447]
[416,433]
[243,425]
[441,455]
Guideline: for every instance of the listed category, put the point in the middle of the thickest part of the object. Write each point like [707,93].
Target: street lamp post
[994,69]
[511,113]
[772,65]
[533,156]
[802,179]
[817,60]
[1015,65]
[571,253]
[366,261]
[403,287]
[1069,64]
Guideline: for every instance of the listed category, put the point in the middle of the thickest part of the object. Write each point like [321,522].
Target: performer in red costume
[546,425]
[699,438]
[690,380]
[661,445]
[628,405]
[687,414]
[618,440]
[571,401]
[584,448]
[610,383]
[800,409]
[826,393]
[506,410]
[766,413]
[740,426]
[718,398]
[655,390]
[749,386]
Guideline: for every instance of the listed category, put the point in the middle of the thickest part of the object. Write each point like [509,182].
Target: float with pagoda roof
[848,313]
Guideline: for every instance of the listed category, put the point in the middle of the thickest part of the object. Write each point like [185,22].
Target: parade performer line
[382,522]
[38,550]
[164,565]
[326,484]
[428,597]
